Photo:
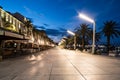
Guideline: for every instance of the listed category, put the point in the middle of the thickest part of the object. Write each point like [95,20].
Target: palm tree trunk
[108,44]
[83,42]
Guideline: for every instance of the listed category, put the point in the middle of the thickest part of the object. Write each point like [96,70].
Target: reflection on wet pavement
[60,64]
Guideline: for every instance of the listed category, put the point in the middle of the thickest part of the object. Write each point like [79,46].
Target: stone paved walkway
[60,64]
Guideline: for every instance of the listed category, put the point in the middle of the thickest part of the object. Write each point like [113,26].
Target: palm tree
[45,39]
[70,40]
[83,31]
[97,36]
[36,34]
[28,24]
[110,30]
[42,35]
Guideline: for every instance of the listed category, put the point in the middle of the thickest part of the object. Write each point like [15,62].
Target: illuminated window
[6,17]
[19,25]
[2,14]
[13,21]
[10,19]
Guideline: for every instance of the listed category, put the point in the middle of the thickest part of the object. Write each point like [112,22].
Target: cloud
[32,12]
[46,24]
[55,32]
[43,26]
[62,29]
[40,27]
[27,9]
[55,38]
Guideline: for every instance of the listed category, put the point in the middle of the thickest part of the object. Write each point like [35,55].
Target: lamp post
[93,22]
[70,32]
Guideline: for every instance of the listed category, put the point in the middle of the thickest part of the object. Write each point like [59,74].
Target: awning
[8,35]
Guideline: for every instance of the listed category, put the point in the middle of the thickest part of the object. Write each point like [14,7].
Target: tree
[97,36]
[110,30]
[28,24]
[42,35]
[84,32]
[36,34]
[70,40]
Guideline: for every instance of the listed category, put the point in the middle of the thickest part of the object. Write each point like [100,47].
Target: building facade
[12,25]
[17,34]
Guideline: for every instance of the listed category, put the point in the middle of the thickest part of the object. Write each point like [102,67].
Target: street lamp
[70,32]
[92,21]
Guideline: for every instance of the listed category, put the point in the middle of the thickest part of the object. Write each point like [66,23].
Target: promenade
[60,64]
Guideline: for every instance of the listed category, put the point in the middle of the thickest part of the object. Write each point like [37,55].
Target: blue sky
[56,16]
